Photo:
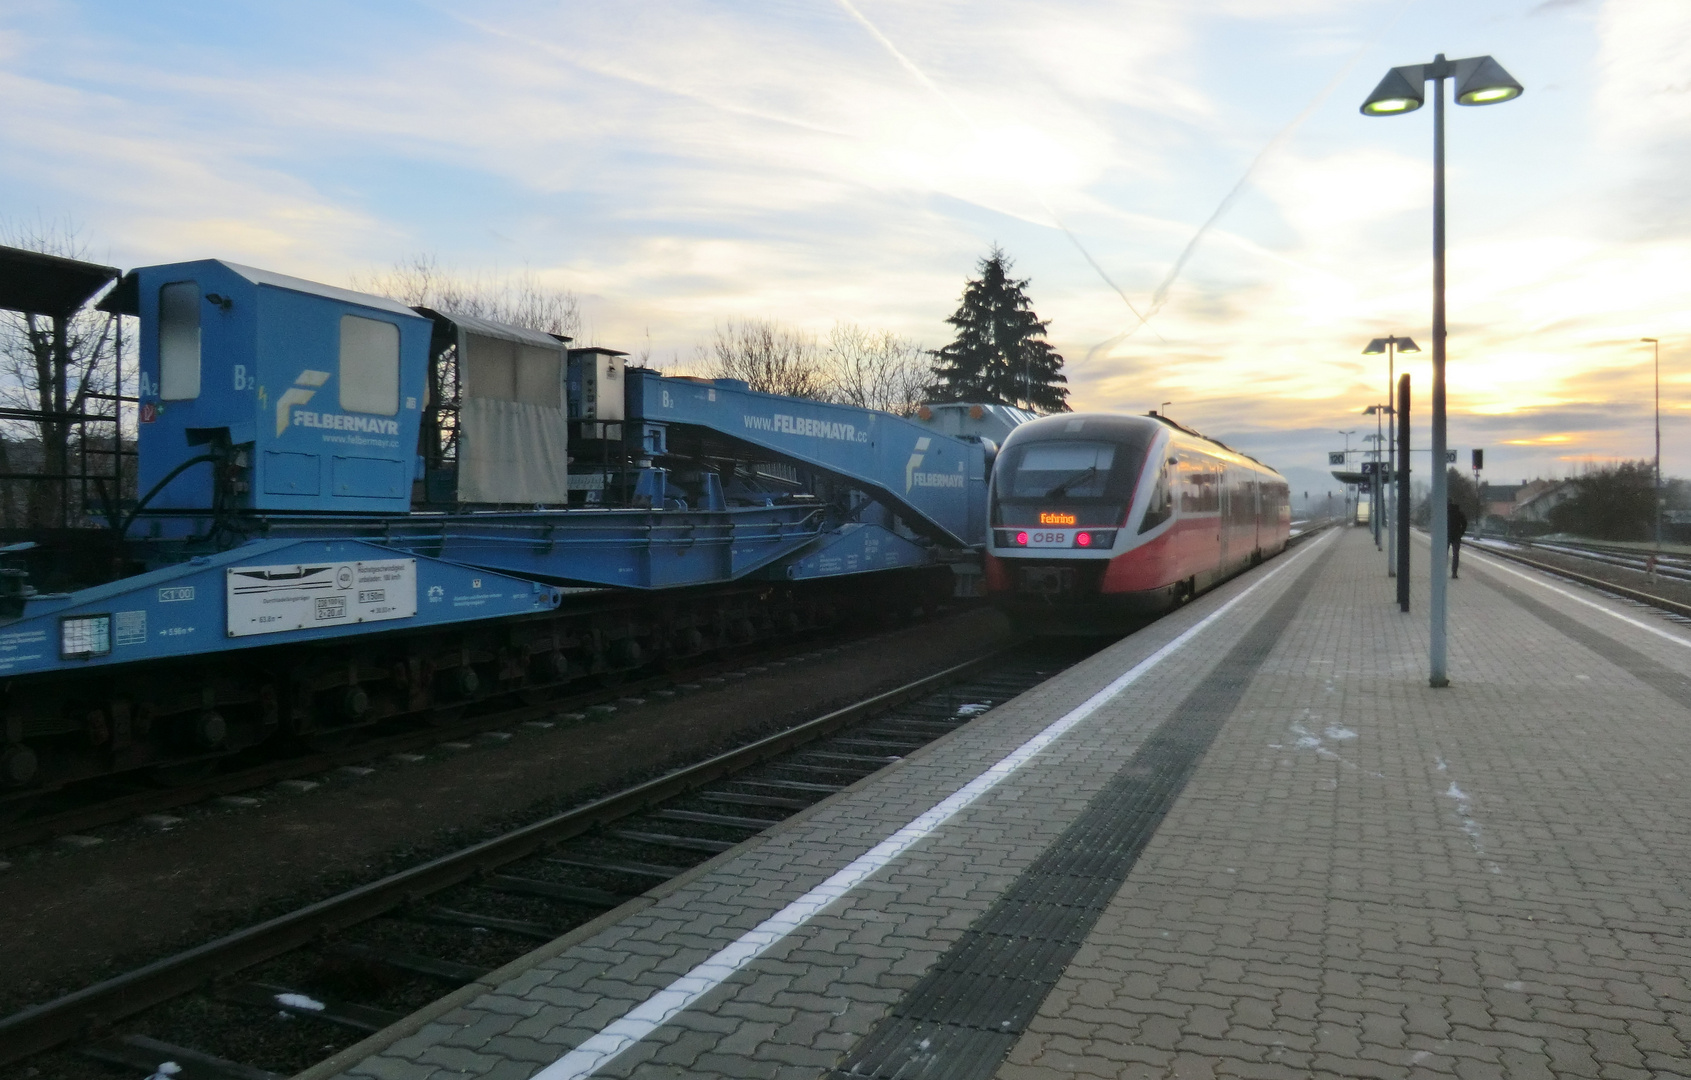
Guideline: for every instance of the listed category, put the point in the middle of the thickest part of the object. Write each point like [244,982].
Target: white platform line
[1495,563]
[620,1035]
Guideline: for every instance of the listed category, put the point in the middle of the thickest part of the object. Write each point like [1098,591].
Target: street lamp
[1658,492]
[1347,435]
[1391,346]
[1480,80]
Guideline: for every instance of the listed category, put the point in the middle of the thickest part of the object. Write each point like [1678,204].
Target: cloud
[683,162]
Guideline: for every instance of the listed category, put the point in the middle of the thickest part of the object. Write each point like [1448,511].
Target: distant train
[1098,521]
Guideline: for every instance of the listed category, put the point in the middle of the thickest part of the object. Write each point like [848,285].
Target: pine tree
[1000,353]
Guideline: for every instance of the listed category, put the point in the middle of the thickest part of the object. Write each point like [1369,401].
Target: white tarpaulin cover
[511,452]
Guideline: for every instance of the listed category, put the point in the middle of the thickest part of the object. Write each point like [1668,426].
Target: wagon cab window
[179,341]
[369,366]
[1055,470]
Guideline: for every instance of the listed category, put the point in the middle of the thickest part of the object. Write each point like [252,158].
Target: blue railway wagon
[294,568]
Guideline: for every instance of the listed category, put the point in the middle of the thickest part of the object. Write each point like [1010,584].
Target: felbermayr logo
[341,422]
[303,390]
[912,478]
[800,425]
[939,479]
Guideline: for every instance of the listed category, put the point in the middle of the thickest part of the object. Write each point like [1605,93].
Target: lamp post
[1657,345]
[1375,482]
[1347,435]
[1391,346]
[1480,80]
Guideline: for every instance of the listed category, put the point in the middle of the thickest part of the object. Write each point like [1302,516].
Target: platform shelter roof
[491,328]
[39,284]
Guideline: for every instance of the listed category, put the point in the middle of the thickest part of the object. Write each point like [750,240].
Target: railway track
[108,801]
[1662,603]
[271,999]
[1669,565]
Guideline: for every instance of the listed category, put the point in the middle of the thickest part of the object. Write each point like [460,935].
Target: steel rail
[1651,599]
[42,1027]
[1673,566]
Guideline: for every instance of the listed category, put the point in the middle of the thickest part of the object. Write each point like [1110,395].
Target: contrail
[1160,296]
[920,76]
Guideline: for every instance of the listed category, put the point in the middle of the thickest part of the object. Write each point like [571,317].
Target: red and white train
[1100,520]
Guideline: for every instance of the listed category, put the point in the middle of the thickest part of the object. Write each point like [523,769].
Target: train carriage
[1099,521]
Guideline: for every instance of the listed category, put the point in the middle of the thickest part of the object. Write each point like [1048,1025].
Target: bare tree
[771,358]
[518,299]
[54,368]
[877,369]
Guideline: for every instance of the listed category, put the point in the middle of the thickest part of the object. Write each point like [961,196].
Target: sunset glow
[681,163]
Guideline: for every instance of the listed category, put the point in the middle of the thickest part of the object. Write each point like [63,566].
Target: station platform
[1248,840]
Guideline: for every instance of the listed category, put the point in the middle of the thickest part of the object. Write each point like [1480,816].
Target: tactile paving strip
[963,1017]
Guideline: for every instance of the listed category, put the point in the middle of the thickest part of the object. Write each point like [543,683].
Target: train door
[1224,524]
[1256,519]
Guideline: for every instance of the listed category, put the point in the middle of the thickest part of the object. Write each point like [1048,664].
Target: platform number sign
[1335,457]
[1450,457]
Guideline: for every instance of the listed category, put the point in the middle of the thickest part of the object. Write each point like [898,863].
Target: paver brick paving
[1363,878]
[1492,875]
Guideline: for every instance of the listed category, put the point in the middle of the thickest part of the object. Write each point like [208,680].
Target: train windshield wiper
[1063,487]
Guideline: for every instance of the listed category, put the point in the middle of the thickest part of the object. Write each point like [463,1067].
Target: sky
[678,164]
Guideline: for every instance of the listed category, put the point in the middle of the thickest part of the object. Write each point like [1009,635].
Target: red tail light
[1083,539]
[1022,539]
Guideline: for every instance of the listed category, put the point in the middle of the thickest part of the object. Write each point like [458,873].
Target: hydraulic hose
[158,487]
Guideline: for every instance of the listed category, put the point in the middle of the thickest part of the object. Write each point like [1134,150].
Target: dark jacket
[1458,521]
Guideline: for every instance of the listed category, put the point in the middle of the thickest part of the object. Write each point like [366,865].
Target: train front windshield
[1085,482]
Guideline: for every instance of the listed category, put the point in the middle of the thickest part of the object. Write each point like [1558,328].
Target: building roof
[39,284]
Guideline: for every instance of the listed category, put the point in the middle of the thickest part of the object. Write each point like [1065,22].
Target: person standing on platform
[1458,529]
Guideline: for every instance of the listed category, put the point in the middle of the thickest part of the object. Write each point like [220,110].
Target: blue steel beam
[933,481]
[269,592]
[854,548]
[631,549]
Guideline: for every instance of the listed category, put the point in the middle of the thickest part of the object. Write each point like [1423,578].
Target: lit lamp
[1480,80]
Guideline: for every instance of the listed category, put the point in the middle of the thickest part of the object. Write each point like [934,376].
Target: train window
[1161,505]
[1202,494]
[179,341]
[369,366]
[1050,470]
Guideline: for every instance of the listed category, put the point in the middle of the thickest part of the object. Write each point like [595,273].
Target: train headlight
[1022,539]
[1082,539]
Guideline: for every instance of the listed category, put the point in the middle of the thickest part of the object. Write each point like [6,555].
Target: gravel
[84,914]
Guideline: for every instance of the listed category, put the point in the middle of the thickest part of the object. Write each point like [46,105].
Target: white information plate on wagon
[271,599]
[1050,537]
